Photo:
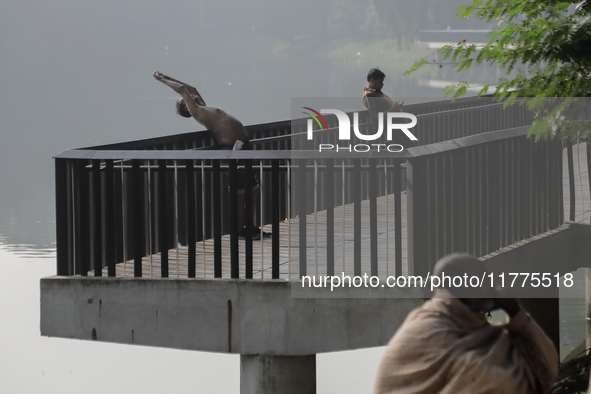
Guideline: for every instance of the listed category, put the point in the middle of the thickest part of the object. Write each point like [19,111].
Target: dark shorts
[241,174]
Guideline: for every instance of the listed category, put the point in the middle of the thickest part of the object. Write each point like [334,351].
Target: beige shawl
[443,347]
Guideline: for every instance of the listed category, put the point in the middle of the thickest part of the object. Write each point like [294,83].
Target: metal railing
[112,210]
[480,193]
[139,208]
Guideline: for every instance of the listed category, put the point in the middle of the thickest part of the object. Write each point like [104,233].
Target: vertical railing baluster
[176,218]
[275,219]
[344,213]
[397,217]
[83,225]
[458,201]
[417,216]
[63,205]
[163,217]
[97,244]
[203,216]
[513,173]
[439,200]
[356,191]
[233,213]
[387,196]
[329,204]
[288,219]
[524,190]
[301,212]
[373,215]
[471,234]
[493,191]
[482,201]
[248,219]
[538,191]
[555,183]
[72,216]
[150,219]
[262,215]
[571,178]
[217,220]
[110,243]
[315,213]
[431,236]
[124,219]
[190,203]
[137,201]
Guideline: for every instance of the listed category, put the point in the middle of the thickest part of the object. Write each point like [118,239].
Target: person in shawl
[447,346]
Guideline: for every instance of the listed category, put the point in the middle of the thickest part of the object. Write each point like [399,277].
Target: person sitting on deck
[227,130]
[448,346]
[374,99]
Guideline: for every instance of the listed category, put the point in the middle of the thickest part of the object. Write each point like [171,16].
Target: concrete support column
[277,374]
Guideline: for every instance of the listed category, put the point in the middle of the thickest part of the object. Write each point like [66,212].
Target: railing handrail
[419,116]
[191,154]
[204,134]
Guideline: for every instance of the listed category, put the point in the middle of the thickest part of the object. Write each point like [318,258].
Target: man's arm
[162,78]
[209,117]
[191,106]
[375,103]
[396,106]
[171,84]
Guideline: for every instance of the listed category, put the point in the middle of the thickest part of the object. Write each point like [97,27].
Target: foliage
[547,41]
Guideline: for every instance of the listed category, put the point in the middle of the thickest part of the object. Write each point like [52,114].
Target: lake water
[79,74]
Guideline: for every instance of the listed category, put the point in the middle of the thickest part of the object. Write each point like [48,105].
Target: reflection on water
[30,250]
[26,239]
[21,244]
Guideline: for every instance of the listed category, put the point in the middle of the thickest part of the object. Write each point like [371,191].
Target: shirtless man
[374,99]
[226,128]
[447,345]
[228,131]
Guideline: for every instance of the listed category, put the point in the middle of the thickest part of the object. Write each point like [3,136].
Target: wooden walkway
[289,247]
[343,239]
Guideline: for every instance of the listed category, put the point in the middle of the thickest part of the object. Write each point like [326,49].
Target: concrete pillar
[277,374]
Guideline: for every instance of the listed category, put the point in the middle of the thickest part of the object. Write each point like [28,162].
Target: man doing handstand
[227,130]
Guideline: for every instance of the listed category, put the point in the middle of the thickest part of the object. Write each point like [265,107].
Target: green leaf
[546,40]
[416,66]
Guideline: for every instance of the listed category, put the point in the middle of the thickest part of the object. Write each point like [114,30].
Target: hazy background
[78,73]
